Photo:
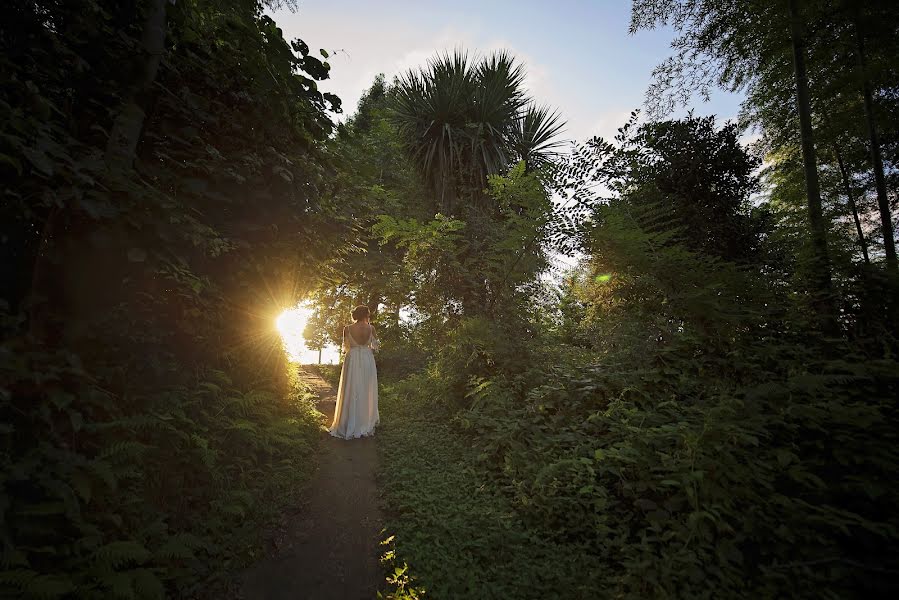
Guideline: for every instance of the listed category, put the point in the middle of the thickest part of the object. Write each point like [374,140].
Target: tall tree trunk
[848,189]
[883,204]
[373,302]
[820,268]
[129,122]
[319,355]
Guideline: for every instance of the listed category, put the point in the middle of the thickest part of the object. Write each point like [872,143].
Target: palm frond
[464,119]
[535,135]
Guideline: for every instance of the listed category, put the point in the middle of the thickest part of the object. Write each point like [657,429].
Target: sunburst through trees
[290,325]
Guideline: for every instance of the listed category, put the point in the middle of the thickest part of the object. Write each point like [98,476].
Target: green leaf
[12,162]
[81,483]
[18,578]
[137,255]
[120,553]
[784,456]
[48,586]
[76,419]
[39,160]
[148,585]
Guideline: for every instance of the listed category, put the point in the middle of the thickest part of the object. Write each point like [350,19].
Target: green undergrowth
[652,482]
[778,489]
[161,496]
[285,451]
[451,536]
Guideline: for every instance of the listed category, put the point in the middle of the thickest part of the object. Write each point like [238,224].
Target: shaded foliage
[150,425]
[462,123]
[699,439]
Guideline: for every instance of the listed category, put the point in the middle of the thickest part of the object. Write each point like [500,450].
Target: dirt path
[328,548]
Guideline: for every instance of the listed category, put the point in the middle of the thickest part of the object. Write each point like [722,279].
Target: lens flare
[290,325]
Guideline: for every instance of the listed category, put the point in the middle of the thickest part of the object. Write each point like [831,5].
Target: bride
[356,413]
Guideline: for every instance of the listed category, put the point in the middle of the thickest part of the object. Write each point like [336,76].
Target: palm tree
[463,120]
[534,136]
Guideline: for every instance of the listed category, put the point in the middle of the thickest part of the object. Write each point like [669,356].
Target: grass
[451,535]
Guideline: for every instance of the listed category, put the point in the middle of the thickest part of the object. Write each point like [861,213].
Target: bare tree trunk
[820,271]
[852,206]
[883,204]
[319,355]
[128,124]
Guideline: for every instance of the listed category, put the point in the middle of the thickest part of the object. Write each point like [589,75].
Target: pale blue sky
[578,54]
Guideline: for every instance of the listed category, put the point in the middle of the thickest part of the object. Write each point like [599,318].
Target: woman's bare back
[360,332]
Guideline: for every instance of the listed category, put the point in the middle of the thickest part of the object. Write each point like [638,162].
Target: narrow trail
[327,548]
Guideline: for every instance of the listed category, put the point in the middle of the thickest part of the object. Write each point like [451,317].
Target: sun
[290,325]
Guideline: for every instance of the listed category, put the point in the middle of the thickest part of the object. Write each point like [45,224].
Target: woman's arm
[374,343]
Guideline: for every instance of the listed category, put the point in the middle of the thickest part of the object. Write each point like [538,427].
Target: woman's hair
[360,312]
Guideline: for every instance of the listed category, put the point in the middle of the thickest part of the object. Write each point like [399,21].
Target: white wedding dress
[356,413]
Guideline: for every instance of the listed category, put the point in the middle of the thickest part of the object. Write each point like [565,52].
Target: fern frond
[122,451]
[116,554]
[48,587]
[18,578]
[105,472]
[147,585]
[120,585]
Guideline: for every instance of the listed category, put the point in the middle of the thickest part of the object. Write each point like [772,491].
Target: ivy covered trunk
[128,123]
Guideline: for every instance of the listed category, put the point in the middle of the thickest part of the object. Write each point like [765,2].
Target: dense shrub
[703,440]
[148,423]
[107,495]
[480,348]
[459,535]
[762,473]
[777,488]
